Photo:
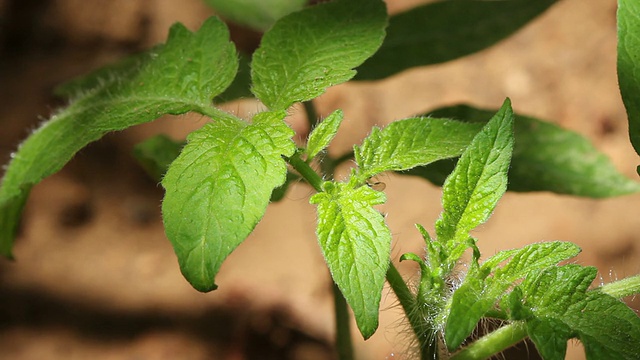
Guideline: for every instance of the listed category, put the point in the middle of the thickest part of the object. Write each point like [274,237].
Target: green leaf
[306,52]
[411,142]
[156,154]
[446,30]
[322,135]
[478,295]
[183,75]
[532,257]
[563,308]
[629,64]
[257,14]
[356,244]
[550,337]
[219,187]
[467,307]
[472,191]
[547,158]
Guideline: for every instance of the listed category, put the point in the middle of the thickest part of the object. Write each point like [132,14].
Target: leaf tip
[203,286]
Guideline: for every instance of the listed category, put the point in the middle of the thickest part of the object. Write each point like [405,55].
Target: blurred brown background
[95,278]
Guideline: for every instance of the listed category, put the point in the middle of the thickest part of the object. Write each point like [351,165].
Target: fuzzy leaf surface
[408,143]
[184,75]
[467,307]
[546,157]
[356,244]
[562,308]
[472,191]
[478,294]
[446,30]
[306,52]
[629,64]
[219,187]
[322,135]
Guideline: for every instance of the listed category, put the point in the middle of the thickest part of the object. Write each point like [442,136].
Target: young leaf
[184,75]
[477,295]
[356,244]
[546,158]
[156,154]
[219,187]
[563,308]
[322,135]
[472,191]
[629,64]
[411,142]
[258,14]
[306,52]
[532,257]
[467,307]
[445,30]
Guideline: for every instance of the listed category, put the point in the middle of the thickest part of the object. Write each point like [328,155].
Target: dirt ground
[95,277]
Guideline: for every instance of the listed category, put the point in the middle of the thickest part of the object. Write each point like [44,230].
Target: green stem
[343,331]
[621,288]
[493,343]
[310,175]
[312,114]
[407,300]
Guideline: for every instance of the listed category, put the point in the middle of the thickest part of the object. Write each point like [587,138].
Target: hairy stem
[621,288]
[493,343]
[427,343]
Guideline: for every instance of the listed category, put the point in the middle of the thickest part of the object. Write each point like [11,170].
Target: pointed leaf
[408,143]
[445,30]
[472,191]
[322,135]
[546,158]
[356,244]
[183,75]
[534,257]
[306,52]
[629,64]
[219,187]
